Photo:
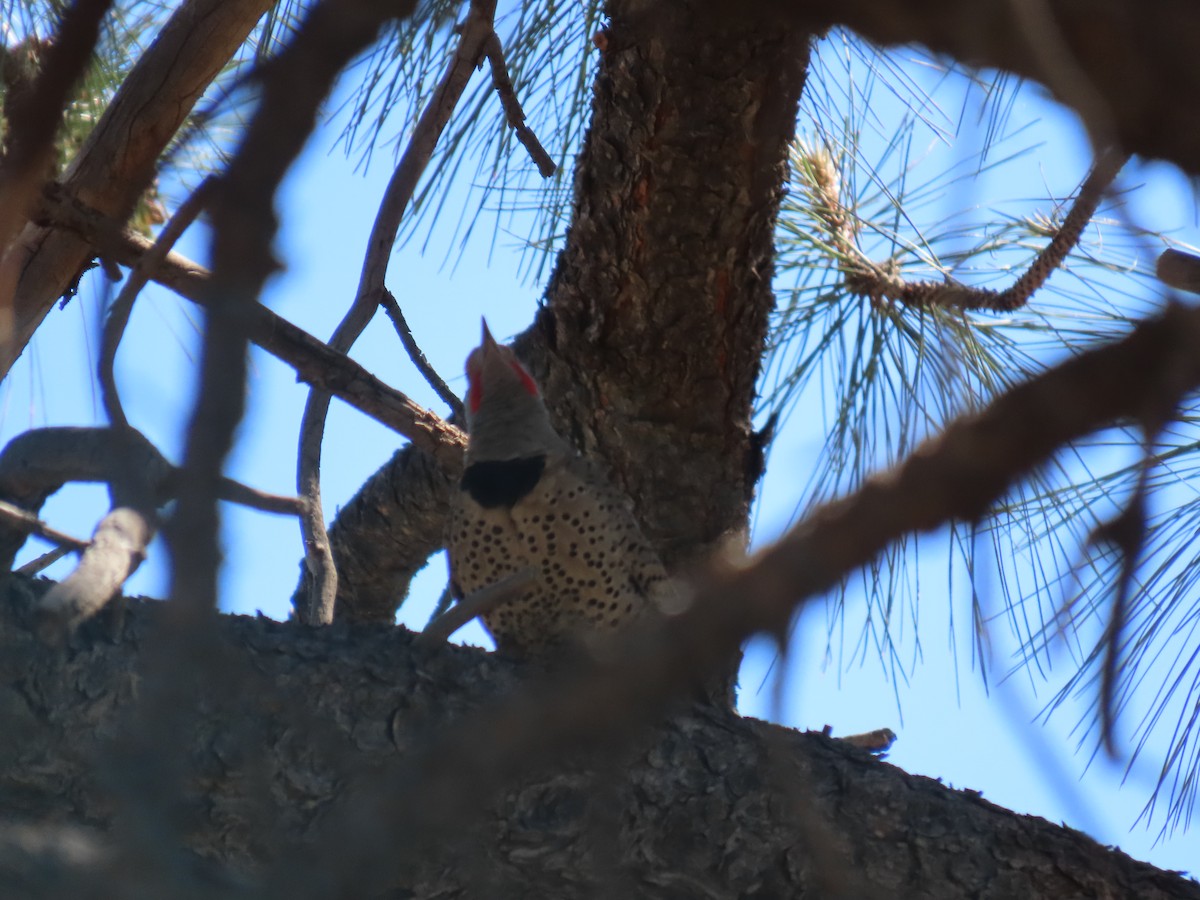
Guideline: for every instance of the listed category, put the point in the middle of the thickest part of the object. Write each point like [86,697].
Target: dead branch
[294,85]
[117,548]
[956,476]
[320,591]
[388,301]
[117,163]
[387,531]
[315,363]
[122,307]
[34,566]
[252,498]
[37,463]
[19,518]
[502,82]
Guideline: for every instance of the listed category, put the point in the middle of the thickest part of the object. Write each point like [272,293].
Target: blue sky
[949,725]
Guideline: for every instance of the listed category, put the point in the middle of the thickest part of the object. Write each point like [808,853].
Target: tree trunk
[286,730]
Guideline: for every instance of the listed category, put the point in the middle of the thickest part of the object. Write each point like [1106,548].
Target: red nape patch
[475,394]
[526,378]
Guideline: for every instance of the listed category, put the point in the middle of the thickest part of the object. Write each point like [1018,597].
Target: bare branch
[43,562]
[388,301]
[321,583]
[315,363]
[122,307]
[477,604]
[294,85]
[37,463]
[243,495]
[512,107]
[117,548]
[28,522]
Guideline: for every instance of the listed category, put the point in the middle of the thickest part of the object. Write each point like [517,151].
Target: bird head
[494,369]
[506,418]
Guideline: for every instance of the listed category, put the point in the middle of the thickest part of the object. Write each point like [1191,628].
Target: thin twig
[22,519]
[322,575]
[443,603]
[400,324]
[122,307]
[502,81]
[44,561]
[479,603]
[252,498]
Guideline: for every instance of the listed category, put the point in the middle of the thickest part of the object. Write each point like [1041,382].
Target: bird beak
[488,340]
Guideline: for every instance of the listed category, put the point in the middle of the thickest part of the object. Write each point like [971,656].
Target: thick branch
[705,805]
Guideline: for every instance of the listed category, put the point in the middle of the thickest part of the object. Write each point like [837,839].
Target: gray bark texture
[280,750]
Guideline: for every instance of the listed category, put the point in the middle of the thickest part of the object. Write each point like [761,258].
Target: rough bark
[386,533]
[287,718]
[661,295]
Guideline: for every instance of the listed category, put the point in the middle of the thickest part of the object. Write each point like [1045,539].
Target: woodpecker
[527,499]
